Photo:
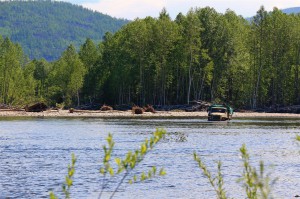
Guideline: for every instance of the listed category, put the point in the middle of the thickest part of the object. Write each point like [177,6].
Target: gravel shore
[128,114]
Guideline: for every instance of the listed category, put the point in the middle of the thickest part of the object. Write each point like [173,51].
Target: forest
[45,28]
[203,55]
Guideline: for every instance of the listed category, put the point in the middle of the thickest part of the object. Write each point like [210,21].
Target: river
[35,153]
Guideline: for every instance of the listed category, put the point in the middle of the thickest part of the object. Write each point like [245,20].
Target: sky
[131,9]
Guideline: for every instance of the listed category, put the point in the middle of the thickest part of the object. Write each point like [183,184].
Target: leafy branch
[68,181]
[130,162]
[256,183]
[298,137]
[124,166]
[216,182]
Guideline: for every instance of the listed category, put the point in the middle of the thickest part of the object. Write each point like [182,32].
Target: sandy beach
[129,114]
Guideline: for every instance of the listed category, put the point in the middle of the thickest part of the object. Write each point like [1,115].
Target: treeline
[203,55]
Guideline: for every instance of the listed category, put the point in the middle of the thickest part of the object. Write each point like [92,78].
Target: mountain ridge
[292,10]
[44,29]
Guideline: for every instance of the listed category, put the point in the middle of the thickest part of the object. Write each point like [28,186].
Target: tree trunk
[190,78]
[78,100]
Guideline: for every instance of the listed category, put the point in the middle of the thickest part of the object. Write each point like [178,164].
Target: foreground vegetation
[124,167]
[203,55]
[256,183]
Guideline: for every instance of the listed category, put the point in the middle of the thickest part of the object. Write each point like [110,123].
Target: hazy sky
[131,9]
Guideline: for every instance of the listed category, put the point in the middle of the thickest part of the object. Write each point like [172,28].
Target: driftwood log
[149,108]
[198,106]
[283,109]
[4,106]
[38,107]
[91,106]
[106,108]
[123,107]
[194,106]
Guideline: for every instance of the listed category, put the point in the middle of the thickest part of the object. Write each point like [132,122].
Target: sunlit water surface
[34,154]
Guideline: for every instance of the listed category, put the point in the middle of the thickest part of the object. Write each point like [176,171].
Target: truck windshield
[218,110]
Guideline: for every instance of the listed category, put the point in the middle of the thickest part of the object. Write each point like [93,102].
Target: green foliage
[46,28]
[91,56]
[41,72]
[132,159]
[52,196]
[256,183]
[68,75]
[68,181]
[216,182]
[69,178]
[16,75]
[298,137]
[204,55]
[124,166]
[208,56]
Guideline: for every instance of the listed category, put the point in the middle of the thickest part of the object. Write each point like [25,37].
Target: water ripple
[35,154]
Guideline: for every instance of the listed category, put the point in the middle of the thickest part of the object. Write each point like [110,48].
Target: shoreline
[128,114]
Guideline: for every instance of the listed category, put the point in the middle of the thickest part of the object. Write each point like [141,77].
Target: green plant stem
[117,188]
[125,175]
[103,185]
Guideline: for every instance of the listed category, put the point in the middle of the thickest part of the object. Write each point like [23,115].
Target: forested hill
[46,28]
[294,10]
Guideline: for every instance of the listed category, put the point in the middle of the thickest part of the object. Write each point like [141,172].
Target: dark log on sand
[4,106]
[284,109]
[84,111]
[91,106]
[106,108]
[38,107]
[194,106]
[123,107]
[13,109]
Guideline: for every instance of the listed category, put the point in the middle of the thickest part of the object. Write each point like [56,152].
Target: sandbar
[129,114]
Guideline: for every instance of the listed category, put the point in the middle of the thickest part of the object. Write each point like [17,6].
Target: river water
[34,154]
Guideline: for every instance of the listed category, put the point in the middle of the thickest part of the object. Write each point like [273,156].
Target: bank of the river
[128,114]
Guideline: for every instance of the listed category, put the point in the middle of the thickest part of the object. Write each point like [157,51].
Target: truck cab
[219,112]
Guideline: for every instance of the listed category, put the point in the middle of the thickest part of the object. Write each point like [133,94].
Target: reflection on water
[35,153]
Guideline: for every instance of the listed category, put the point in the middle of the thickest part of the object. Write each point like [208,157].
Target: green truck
[219,112]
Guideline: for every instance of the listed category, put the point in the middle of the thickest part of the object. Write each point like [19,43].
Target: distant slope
[294,10]
[45,28]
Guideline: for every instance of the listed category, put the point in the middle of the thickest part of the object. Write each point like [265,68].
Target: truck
[219,112]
